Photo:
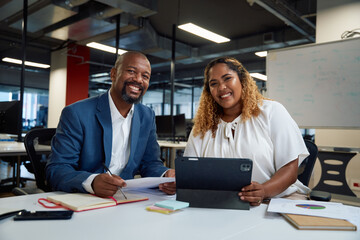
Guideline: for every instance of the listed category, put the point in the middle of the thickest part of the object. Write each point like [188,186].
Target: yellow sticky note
[159,209]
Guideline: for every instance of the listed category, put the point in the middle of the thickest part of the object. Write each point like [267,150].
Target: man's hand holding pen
[105,185]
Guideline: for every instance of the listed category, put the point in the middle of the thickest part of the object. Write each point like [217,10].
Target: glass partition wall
[35,106]
[186,101]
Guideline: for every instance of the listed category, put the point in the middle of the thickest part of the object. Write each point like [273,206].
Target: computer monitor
[180,125]
[163,126]
[10,117]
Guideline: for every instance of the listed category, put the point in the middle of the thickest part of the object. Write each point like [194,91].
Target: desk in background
[132,221]
[339,149]
[170,148]
[12,148]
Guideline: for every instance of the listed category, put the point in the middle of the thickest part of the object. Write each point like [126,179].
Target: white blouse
[270,140]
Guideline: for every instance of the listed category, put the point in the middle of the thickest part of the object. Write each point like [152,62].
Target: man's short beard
[129,99]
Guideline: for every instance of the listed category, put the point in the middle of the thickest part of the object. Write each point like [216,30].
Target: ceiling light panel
[261,54]
[259,76]
[204,33]
[27,63]
[105,48]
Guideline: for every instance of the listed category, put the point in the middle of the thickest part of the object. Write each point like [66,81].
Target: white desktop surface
[132,221]
[13,148]
[173,146]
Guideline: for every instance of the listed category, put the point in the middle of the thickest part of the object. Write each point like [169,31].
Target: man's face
[131,80]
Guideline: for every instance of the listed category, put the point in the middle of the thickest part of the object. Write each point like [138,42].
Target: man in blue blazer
[112,130]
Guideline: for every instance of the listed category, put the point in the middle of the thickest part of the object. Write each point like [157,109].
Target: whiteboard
[319,84]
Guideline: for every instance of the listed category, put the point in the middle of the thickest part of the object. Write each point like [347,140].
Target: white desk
[171,147]
[18,149]
[8,149]
[132,221]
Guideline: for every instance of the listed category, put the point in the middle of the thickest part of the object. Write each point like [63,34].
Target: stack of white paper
[316,208]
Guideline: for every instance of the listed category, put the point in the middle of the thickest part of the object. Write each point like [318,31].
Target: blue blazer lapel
[134,137]
[104,117]
[135,131]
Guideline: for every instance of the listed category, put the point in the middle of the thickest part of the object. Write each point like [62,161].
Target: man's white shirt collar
[115,114]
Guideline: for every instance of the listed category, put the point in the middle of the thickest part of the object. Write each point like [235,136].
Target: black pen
[108,172]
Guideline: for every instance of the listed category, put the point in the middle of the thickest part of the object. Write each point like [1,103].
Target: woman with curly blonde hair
[235,121]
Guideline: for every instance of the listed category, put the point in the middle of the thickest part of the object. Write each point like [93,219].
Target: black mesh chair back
[41,136]
[307,166]
[333,172]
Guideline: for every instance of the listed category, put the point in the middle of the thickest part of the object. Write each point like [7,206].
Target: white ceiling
[147,26]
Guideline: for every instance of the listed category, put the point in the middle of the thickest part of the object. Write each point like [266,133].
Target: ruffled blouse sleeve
[288,143]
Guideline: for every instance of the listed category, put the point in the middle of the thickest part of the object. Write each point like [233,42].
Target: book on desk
[316,215]
[303,222]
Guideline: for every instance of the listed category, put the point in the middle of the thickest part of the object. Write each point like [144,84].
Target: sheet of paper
[311,208]
[152,191]
[354,215]
[147,182]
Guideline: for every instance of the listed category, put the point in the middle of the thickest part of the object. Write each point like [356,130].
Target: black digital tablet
[9,213]
[212,182]
[43,215]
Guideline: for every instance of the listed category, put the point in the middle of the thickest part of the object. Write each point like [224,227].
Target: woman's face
[225,87]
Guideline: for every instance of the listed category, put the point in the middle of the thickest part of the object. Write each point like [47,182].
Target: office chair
[307,166]
[38,159]
[333,167]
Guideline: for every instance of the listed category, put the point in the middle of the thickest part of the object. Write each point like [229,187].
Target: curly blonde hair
[209,112]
